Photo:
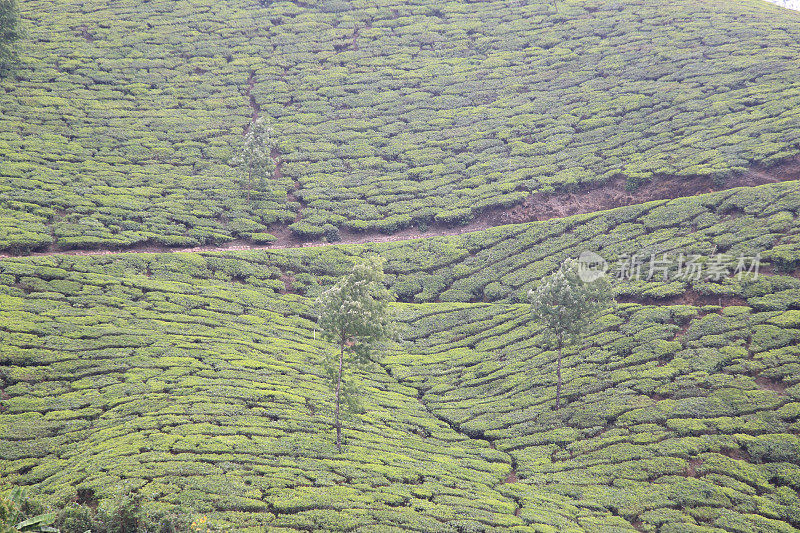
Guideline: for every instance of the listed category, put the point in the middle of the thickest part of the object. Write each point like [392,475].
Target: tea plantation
[503,263]
[196,384]
[195,381]
[120,124]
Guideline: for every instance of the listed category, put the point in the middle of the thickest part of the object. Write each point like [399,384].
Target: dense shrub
[307,231]
[331,233]
[262,238]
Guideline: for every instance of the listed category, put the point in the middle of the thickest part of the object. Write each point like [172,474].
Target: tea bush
[193,381]
[118,130]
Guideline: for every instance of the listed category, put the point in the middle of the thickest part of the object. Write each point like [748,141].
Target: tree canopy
[255,158]
[565,305]
[355,314]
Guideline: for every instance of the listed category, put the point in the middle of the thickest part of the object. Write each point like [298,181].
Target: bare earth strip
[536,207]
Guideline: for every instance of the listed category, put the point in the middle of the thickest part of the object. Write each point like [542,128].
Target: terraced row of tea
[119,127]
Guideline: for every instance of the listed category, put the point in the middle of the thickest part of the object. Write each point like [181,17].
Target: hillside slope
[678,418]
[500,264]
[194,380]
[211,400]
[119,126]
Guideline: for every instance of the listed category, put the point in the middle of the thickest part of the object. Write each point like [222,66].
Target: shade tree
[565,305]
[354,314]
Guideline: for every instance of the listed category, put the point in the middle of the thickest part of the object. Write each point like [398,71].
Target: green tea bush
[307,231]
[774,448]
[75,518]
[331,233]
[94,149]
[190,379]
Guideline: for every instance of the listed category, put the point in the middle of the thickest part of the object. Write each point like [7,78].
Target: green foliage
[500,265]
[16,511]
[565,304]
[262,238]
[331,233]
[355,309]
[306,230]
[206,396]
[255,157]
[118,132]
[354,314]
[125,515]
[10,33]
[774,448]
[194,380]
[75,518]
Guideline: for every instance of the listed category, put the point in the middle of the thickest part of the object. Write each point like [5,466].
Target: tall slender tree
[255,159]
[354,314]
[565,305]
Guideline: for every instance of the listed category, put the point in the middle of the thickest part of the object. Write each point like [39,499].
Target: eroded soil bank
[539,206]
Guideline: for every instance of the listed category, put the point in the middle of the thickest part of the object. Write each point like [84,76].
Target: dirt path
[539,206]
[251,82]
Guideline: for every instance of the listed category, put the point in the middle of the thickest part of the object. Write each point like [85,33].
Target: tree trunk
[249,182]
[338,394]
[558,372]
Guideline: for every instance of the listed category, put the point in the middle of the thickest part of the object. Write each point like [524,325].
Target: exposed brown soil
[539,206]
[511,477]
[770,270]
[766,383]
[544,206]
[739,455]
[691,467]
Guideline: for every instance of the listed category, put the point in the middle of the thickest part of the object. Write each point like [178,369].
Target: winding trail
[537,207]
